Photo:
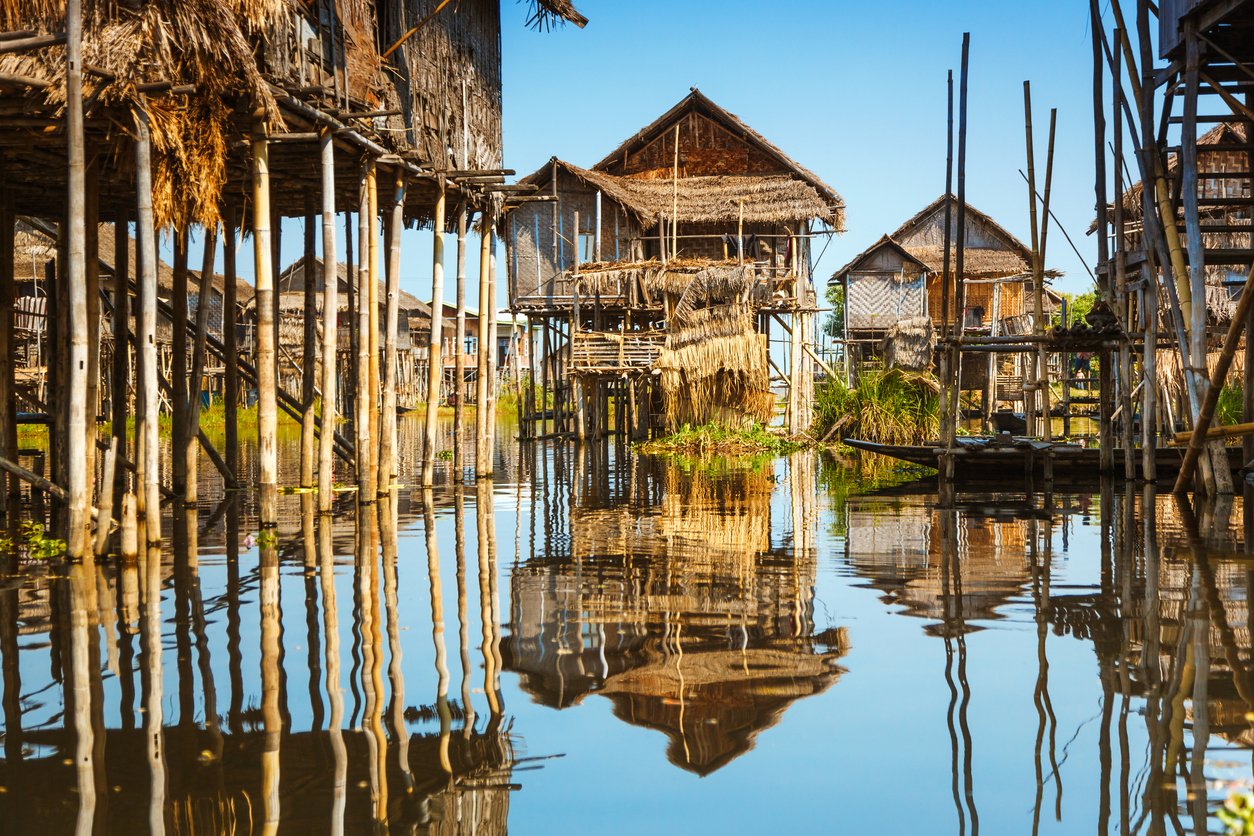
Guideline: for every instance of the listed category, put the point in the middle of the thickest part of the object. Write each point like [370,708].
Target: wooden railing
[599,352]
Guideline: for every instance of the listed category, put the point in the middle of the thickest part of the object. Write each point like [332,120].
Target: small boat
[1007,458]
[1005,421]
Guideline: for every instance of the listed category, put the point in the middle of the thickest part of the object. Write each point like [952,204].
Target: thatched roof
[698,102]
[718,199]
[545,12]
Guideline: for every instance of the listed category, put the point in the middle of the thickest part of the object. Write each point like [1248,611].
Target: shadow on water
[434,662]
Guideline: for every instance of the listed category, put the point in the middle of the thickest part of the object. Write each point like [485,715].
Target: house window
[587,247]
[472,345]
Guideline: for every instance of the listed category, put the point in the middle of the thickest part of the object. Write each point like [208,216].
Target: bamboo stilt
[178,362]
[147,438]
[459,350]
[120,373]
[483,453]
[372,186]
[267,417]
[388,470]
[489,418]
[8,397]
[191,434]
[76,299]
[309,351]
[361,399]
[330,325]
[354,347]
[91,209]
[230,340]
[435,362]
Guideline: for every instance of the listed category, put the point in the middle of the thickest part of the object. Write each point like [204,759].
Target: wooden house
[672,258]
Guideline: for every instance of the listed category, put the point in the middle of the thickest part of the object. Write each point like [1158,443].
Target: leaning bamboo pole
[76,445]
[330,326]
[267,416]
[388,470]
[483,453]
[148,442]
[435,363]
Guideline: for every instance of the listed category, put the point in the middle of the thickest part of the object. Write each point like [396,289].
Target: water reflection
[1050,663]
[672,602]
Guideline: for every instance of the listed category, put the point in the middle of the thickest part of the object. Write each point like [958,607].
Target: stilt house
[656,278]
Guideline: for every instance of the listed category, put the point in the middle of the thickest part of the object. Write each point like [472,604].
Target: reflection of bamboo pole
[331,633]
[199,631]
[391,600]
[437,628]
[271,650]
[463,615]
[487,615]
[372,661]
[154,734]
[78,693]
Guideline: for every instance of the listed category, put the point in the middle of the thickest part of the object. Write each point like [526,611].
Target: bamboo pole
[148,441]
[372,188]
[350,404]
[191,434]
[1121,277]
[76,445]
[309,351]
[483,453]
[1042,354]
[459,350]
[267,417]
[330,325]
[435,362]
[8,398]
[120,373]
[230,340]
[955,365]
[1033,383]
[361,399]
[91,225]
[1243,430]
[396,225]
[490,416]
[948,422]
[178,360]
[1200,427]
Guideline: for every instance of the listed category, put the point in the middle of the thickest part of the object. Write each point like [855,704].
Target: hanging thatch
[909,344]
[205,43]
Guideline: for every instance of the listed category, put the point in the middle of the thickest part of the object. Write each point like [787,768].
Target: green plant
[1230,409]
[714,439]
[1237,814]
[445,455]
[889,406]
[834,325]
[39,546]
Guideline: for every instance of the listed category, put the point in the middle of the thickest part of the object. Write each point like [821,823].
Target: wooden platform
[997,460]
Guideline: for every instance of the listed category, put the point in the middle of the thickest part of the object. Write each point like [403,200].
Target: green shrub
[889,406]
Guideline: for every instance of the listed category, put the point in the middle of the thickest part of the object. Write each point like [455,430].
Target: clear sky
[854,91]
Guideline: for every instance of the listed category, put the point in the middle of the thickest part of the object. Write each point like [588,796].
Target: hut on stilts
[229,116]
[663,284]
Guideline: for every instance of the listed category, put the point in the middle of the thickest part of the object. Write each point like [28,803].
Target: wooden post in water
[1121,279]
[350,282]
[230,341]
[78,517]
[267,415]
[120,373]
[191,444]
[435,363]
[459,350]
[148,442]
[489,419]
[330,325]
[10,489]
[309,351]
[960,288]
[483,453]
[91,266]
[1034,375]
[945,364]
[1042,353]
[361,395]
[372,186]
[388,470]
[178,360]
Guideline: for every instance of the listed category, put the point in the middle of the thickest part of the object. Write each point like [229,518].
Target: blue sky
[854,91]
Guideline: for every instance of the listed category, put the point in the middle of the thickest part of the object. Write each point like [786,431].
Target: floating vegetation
[890,406]
[715,439]
[33,539]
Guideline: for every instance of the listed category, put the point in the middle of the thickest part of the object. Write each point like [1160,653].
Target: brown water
[609,643]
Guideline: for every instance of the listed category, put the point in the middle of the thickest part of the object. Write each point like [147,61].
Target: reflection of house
[681,613]
[897,547]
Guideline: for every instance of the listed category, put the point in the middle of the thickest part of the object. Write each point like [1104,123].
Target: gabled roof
[715,199]
[698,102]
[939,204]
[884,241]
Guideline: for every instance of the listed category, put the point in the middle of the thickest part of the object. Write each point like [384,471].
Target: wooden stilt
[191,434]
[361,400]
[490,413]
[267,416]
[350,404]
[178,361]
[330,325]
[230,340]
[1034,384]
[147,438]
[435,360]
[948,422]
[388,470]
[120,373]
[77,519]
[1121,278]
[8,398]
[459,350]
[309,351]
[91,265]
[483,454]
[372,186]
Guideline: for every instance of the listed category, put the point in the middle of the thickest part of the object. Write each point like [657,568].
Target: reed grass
[889,406]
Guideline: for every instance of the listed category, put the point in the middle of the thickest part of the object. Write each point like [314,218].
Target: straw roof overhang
[884,241]
[545,12]
[712,199]
[698,102]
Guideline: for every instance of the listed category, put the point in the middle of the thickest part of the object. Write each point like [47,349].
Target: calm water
[613,644]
